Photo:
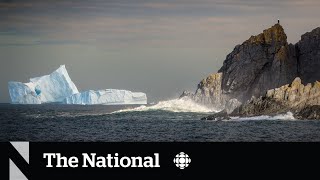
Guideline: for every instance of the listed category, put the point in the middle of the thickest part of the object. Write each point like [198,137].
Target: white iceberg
[58,88]
[107,97]
[53,88]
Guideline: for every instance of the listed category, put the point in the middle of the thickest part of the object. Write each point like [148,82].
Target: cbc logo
[182,160]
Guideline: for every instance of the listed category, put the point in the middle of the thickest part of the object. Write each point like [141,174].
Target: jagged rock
[209,92]
[260,106]
[297,95]
[290,97]
[309,112]
[222,115]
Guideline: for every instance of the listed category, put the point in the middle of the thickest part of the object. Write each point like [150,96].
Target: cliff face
[308,52]
[262,62]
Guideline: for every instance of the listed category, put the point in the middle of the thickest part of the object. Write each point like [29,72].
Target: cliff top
[269,36]
[272,39]
[314,32]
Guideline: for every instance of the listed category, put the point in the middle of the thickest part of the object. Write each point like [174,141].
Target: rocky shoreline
[307,113]
[266,75]
[303,101]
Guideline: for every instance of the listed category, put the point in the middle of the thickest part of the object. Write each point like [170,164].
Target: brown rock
[293,97]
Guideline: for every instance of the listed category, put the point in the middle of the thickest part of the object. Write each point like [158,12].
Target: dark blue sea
[166,122]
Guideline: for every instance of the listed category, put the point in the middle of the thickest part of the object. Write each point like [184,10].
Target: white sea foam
[174,105]
[286,116]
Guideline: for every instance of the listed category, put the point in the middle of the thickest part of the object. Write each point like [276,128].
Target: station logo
[182,160]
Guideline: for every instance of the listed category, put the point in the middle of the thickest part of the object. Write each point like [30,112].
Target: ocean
[167,121]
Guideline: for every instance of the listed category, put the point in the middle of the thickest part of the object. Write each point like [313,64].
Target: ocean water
[167,121]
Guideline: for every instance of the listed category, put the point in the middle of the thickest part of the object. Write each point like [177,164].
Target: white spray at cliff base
[285,116]
[175,105]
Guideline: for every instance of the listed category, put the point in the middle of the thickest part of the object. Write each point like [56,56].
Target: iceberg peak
[54,87]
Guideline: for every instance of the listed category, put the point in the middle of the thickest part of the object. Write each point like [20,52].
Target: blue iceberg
[59,88]
[51,88]
[107,97]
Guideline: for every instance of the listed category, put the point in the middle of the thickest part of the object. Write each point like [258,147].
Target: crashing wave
[184,104]
[286,116]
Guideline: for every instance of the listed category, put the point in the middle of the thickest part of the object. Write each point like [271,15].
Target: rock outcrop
[261,63]
[309,112]
[291,97]
[222,115]
[209,92]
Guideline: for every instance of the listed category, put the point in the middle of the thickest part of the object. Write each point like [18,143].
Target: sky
[160,47]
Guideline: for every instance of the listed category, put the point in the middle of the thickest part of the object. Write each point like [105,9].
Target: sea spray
[175,105]
[286,116]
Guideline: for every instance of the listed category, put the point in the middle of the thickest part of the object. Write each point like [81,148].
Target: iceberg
[107,97]
[59,88]
[53,88]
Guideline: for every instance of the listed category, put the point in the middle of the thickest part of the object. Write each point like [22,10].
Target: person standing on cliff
[278,21]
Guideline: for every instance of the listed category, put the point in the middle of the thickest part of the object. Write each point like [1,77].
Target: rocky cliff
[262,62]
